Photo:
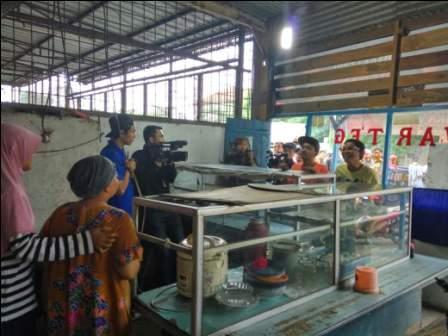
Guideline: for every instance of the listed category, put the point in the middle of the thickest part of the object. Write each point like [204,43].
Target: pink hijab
[18,146]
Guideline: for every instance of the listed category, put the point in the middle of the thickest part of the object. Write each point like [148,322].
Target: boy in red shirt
[308,152]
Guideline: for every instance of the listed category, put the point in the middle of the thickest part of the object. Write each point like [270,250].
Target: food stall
[259,254]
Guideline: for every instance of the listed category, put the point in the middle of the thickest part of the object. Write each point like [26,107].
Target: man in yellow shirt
[353,170]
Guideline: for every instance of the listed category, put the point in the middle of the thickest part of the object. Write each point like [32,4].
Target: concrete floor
[142,327]
[433,323]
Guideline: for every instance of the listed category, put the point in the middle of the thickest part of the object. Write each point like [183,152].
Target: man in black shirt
[154,174]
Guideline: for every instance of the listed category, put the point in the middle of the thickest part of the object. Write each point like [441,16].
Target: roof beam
[196,30]
[38,44]
[162,22]
[219,9]
[145,59]
[108,37]
[8,6]
[160,43]
[133,34]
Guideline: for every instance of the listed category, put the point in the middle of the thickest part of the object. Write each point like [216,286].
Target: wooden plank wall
[394,71]
[413,88]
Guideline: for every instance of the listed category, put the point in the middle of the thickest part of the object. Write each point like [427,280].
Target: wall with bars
[46,183]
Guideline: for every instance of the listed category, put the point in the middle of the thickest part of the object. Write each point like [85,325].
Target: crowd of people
[304,154]
[89,250]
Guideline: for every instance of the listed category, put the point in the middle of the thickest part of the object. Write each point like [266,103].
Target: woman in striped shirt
[20,247]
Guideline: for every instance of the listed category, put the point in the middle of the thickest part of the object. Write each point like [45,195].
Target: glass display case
[204,176]
[260,249]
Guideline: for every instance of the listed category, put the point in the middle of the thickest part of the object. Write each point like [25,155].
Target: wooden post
[395,64]
[260,80]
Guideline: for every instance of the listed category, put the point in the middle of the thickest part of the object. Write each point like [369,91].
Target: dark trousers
[159,263]
[22,326]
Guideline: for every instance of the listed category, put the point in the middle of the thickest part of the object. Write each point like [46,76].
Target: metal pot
[214,268]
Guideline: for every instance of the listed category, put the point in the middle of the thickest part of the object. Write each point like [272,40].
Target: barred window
[134,100]
[185,105]
[157,99]
[218,97]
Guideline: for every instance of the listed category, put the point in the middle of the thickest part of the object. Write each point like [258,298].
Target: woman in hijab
[90,295]
[20,247]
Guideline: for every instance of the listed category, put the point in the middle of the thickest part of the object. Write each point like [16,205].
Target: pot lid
[287,245]
[209,241]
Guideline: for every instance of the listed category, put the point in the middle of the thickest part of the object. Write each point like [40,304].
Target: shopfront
[406,146]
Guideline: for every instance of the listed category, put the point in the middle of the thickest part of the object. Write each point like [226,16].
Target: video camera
[167,151]
[275,159]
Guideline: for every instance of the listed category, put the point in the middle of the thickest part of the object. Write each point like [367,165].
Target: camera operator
[292,153]
[278,148]
[155,171]
[283,160]
[277,160]
[276,155]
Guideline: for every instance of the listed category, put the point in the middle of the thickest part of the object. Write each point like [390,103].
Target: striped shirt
[17,284]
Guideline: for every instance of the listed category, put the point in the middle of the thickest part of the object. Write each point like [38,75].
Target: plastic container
[366,280]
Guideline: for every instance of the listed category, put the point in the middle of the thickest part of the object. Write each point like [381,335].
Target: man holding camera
[154,173]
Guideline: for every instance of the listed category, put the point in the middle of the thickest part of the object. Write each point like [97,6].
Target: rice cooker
[214,268]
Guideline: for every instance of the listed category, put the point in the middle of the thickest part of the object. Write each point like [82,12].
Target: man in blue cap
[122,134]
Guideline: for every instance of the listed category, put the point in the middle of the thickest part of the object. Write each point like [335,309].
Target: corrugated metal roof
[157,23]
[265,10]
[168,24]
[345,16]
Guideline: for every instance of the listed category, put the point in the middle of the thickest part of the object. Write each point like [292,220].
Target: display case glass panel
[264,249]
[374,231]
[296,262]
[204,177]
